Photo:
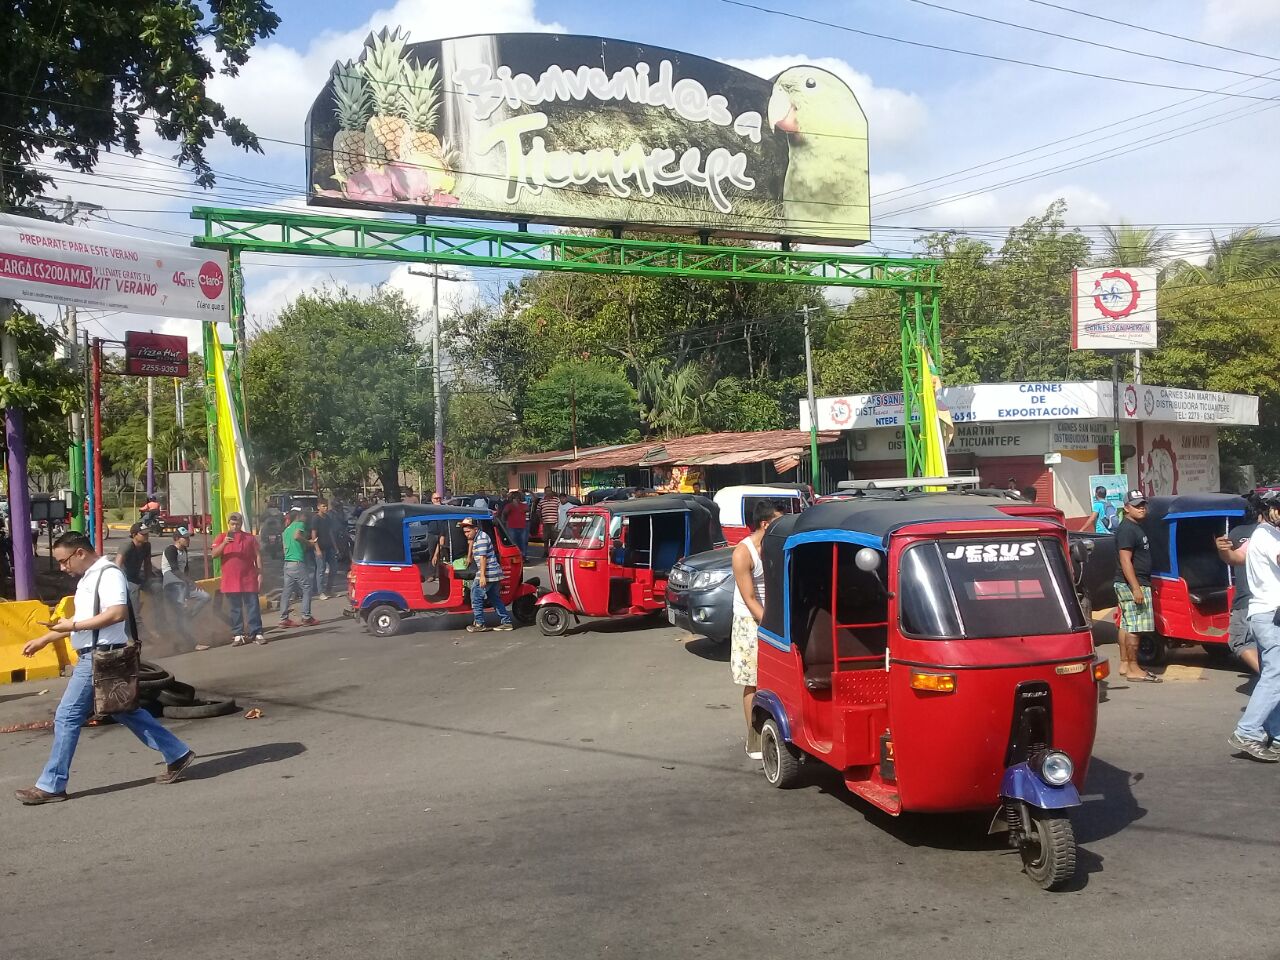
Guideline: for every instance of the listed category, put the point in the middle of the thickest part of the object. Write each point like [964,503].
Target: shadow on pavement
[210,765]
[18,696]
[708,649]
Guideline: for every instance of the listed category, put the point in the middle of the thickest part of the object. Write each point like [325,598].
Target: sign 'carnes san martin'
[591,132]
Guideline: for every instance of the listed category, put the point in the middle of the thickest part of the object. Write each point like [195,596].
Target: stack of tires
[165,696]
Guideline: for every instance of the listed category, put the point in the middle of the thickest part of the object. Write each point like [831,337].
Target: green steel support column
[918,323]
[235,368]
[213,483]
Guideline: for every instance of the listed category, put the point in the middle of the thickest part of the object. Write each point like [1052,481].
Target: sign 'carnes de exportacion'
[73,266]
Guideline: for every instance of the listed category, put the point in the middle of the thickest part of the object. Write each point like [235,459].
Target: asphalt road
[439,794]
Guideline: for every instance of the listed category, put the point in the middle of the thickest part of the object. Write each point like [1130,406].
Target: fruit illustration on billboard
[591,132]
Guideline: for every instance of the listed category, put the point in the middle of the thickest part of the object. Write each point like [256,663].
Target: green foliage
[598,397]
[92,71]
[477,430]
[48,390]
[338,374]
[124,422]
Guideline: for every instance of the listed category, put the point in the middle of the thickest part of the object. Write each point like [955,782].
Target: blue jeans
[244,611]
[75,709]
[297,577]
[325,564]
[491,593]
[520,537]
[1261,717]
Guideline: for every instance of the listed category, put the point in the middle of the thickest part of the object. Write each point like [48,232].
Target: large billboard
[1114,308]
[590,132]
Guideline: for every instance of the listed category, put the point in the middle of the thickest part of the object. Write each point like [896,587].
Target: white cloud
[894,117]
[274,91]
[1241,19]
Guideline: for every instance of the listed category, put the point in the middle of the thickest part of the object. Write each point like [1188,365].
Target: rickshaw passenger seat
[1207,594]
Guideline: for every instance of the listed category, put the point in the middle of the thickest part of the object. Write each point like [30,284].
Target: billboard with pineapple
[592,132]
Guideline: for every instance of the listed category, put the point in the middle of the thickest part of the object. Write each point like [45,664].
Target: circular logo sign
[1149,402]
[841,412]
[211,280]
[1130,401]
[1115,294]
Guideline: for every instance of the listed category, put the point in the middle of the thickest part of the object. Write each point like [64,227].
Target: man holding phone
[241,581]
[1258,732]
[99,618]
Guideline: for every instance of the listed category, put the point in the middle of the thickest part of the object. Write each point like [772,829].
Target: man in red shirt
[241,581]
[514,514]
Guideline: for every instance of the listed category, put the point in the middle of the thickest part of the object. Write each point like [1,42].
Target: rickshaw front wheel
[1049,854]
[524,611]
[383,620]
[1153,649]
[780,759]
[553,620]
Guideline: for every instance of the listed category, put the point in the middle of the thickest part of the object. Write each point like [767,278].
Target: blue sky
[932,114]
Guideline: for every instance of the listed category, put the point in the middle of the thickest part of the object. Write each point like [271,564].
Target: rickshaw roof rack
[879,517]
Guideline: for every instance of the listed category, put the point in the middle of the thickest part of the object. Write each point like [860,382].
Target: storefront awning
[709,449]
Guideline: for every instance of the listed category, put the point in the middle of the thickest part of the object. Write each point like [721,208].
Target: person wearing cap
[1257,733]
[134,558]
[487,585]
[1133,587]
[297,544]
[183,597]
[241,581]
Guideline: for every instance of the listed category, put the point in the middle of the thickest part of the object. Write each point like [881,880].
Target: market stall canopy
[708,449]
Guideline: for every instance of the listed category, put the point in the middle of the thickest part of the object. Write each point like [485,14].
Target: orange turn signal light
[587,564]
[934,682]
[1101,669]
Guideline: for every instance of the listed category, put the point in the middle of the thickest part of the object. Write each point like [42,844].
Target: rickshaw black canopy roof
[380,529]
[879,516]
[1162,511]
[704,519]
[1224,504]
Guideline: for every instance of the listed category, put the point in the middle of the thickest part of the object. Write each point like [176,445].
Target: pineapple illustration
[387,132]
[423,108]
[351,98]
[440,169]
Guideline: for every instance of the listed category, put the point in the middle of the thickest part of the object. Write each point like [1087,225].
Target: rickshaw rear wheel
[780,759]
[523,609]
[553,620]
[1153,649]
[1049,855]
[383,620]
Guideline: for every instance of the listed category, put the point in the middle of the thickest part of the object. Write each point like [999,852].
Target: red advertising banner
[154,355]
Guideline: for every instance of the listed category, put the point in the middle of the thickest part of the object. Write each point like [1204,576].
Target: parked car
[700,594]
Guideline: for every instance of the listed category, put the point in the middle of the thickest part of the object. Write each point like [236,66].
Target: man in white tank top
[748,611]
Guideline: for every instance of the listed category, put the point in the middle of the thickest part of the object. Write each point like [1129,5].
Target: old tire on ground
[1049,855]
[175,693]
[1153,649]
[383,620]
[780,759]
[553,620]
[201,710]
[148,672]
[524,611]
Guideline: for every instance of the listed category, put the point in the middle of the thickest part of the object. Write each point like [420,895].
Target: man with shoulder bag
[105,679]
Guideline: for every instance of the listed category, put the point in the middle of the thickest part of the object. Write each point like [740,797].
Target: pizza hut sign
[154,355]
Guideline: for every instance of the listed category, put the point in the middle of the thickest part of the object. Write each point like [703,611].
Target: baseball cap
[136,529]
[467,522]
[1136,497]
[181,532]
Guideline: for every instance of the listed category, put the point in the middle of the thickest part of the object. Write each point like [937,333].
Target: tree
[1128,246]
[338,374]
[595,395]
[48,391]
[81,76]
[124,422]
[1247,254]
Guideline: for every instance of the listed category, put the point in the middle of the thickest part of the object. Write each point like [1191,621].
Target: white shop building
[1052,436]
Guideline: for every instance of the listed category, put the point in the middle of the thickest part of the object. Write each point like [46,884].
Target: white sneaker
[260,639]
[237,641]
[322,596]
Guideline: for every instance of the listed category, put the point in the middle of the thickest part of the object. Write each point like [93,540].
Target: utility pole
[437,393]
[813,402]
[151,437]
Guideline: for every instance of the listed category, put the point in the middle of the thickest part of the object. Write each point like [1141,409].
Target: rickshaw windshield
[956,589]
[583,532]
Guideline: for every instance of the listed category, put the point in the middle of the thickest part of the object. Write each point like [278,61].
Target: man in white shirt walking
[101,581]
[1258,732]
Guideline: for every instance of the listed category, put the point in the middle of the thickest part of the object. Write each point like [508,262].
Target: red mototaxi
[932,650]
[392,578]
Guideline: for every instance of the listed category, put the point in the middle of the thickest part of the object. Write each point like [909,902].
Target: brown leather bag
[115,669]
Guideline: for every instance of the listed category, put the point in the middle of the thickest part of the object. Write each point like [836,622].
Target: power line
[1081,40]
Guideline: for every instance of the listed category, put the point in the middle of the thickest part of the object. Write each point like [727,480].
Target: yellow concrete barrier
[20,621]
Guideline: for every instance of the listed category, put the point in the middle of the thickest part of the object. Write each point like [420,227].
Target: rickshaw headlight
[1056,768]
[709,578]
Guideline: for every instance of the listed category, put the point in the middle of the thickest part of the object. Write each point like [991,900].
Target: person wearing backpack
[100,618]
[1104,512]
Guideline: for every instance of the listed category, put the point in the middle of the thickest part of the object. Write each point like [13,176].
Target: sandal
[1145,677]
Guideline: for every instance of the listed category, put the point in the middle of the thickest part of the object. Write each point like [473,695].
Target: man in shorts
[1133,587]
[748,611]
[1232,550]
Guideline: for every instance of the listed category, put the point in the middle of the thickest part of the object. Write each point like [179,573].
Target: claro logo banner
[55,263]
[591,132]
